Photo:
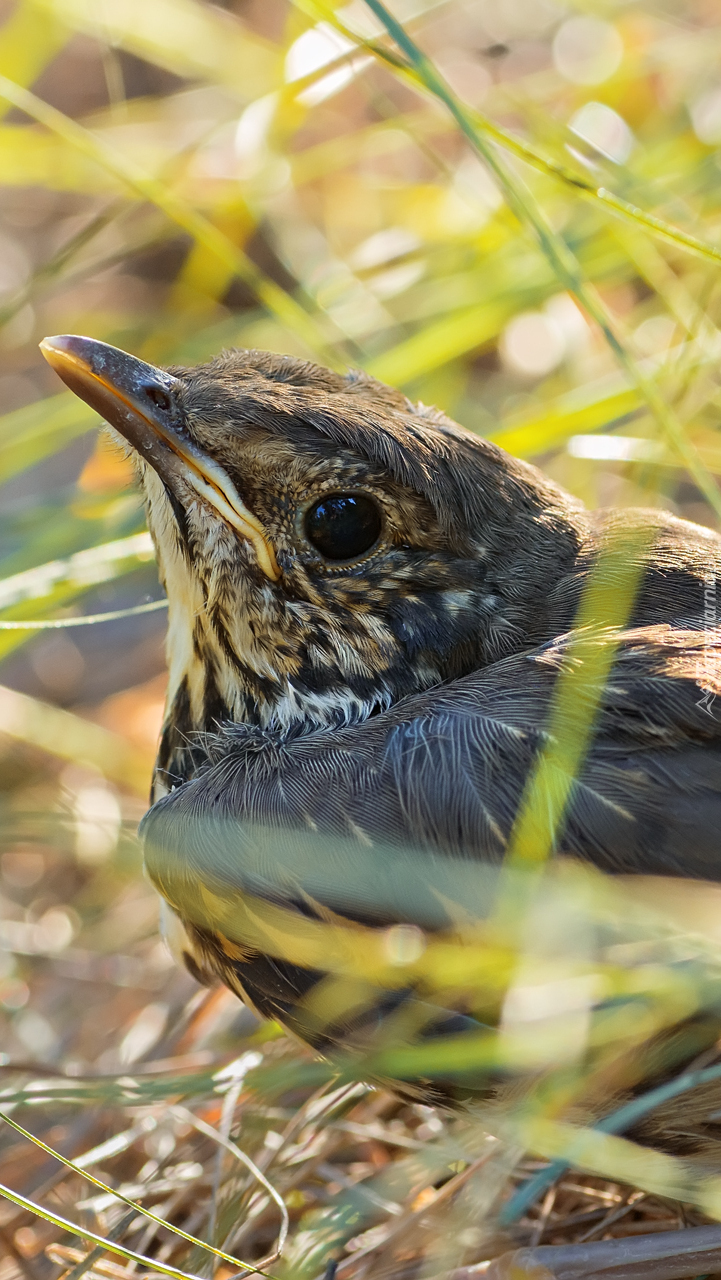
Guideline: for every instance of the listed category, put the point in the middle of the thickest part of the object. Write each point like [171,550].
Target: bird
[368,611]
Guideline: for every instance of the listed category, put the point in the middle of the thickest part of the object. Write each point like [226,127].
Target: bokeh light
[587,50]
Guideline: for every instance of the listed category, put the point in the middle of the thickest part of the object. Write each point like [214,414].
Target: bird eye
[343,525]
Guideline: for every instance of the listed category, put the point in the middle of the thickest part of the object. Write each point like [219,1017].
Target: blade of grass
[54,265]
[113,1090]
[604,611]
[27,435]
[188,39]
[436,344]
[279,303]
[111,1245]
[609,1156]
[28,42]
[575,412]
[623,1118]
[84,569]
[87,620]
[579,182]
[46,587]
[70,737]
[84,1264]
[31,158]
[243,1158]
[560,257]
[583,412]
[98,1182]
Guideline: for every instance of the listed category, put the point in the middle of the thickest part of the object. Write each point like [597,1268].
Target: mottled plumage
[399,699]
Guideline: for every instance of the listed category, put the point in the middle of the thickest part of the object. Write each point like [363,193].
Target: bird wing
[394,818]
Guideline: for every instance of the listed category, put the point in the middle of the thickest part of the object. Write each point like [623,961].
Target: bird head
[326,546]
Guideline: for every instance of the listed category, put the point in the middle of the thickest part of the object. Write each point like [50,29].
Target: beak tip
[54,351]
[71,355]
[50,344]
[59,347]
[56,342]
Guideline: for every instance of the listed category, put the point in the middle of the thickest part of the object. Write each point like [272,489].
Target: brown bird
[368,610]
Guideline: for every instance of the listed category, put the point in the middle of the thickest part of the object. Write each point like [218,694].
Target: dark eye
[343,525]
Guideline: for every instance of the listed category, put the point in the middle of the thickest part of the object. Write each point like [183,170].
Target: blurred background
[177,177]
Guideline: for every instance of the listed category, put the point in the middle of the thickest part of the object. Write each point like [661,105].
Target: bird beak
[140,402]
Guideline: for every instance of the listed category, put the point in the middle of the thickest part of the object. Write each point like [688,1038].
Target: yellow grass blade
[277,301]
[189,39]
[63,734]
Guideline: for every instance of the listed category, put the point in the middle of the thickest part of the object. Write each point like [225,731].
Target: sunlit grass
[307,180]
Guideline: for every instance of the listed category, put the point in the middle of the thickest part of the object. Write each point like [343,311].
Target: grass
[179,177]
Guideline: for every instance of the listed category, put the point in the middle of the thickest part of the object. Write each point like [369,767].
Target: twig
[671,1256]
[615,1215]
[545,1214]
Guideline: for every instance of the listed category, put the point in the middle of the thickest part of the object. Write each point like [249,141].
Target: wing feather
[441,774]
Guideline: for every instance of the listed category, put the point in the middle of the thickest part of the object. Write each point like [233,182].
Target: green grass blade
[560,257]
[29,434]
[97,1182]
[575,412]
[604,610]
[577,181]
[35,594]
[84,569]
[438,343]
[30,1206]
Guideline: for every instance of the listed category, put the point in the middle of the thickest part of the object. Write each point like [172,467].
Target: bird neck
[208,685]
[224,667]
